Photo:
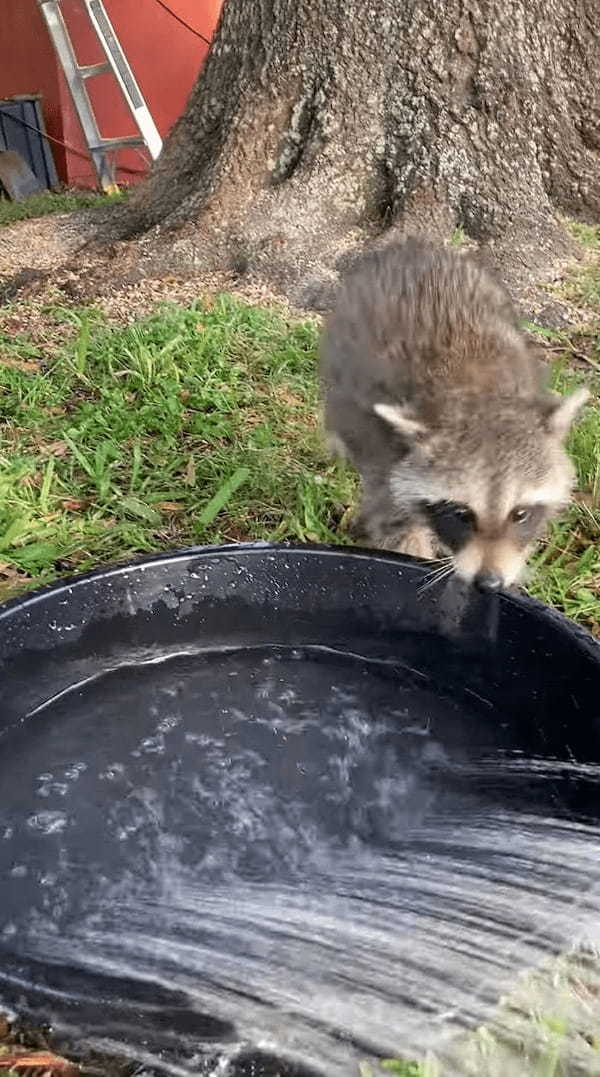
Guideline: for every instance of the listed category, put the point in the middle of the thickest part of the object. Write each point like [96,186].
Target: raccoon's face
[486,479]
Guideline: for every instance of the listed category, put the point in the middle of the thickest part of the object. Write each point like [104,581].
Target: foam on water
[326,874]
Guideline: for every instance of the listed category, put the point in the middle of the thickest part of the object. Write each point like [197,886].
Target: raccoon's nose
[488,581]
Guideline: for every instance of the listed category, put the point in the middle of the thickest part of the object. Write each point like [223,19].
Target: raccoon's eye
[461,512]
[520,515]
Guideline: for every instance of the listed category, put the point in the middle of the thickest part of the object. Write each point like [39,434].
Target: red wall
[164,55]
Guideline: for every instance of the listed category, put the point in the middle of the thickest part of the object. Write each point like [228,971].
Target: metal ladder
[76,75]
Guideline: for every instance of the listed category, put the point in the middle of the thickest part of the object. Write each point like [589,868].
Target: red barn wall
[164,55]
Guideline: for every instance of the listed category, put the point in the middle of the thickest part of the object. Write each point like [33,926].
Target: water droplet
[73,772]
[48,822]
[59,789]
[113,770]
[155,745]
[169,723]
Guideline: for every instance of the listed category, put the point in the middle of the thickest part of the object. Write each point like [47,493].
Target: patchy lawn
[200,426]
[567,569]
[40,205]
[193,426]
[547,1027]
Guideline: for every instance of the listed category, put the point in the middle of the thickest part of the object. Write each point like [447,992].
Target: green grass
[566,570]
[200,426]
[195,426]
[586,234]
[40,205]
[547,1027]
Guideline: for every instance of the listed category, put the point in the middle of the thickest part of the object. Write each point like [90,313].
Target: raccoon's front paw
[416,541]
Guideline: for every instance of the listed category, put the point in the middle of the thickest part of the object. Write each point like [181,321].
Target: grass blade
[46,484]
[222,496]
[132,506]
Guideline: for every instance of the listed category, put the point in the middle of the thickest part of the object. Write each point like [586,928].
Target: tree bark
[320,125]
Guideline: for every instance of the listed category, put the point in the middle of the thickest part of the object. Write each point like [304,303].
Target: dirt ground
[55,259]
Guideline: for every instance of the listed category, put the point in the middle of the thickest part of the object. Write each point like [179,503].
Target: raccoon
[440,402]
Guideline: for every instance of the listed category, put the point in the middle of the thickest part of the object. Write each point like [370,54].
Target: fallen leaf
[53,448]
[12,574]
[32,481]
[585,498]
[171,506]
[289,399]
[19,364]
[37,1060]
[190,472]
[74,504]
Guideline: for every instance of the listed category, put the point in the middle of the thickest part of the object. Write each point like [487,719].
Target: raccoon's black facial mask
[527,521]
[453,524]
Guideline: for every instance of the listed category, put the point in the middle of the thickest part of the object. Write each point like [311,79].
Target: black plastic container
[489,707]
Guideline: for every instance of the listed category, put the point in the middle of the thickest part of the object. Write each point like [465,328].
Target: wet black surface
[288,799]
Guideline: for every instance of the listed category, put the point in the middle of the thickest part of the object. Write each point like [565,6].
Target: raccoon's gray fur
[438,399]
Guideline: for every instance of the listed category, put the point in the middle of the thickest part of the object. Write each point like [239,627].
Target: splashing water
[321,882]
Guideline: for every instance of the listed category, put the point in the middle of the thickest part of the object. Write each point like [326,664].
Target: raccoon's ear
[401,419]
[561,411]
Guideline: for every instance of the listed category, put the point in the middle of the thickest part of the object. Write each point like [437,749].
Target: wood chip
[45,1061]
[28,366]
[171,506]
[190,472]
[53,448]
[74,504]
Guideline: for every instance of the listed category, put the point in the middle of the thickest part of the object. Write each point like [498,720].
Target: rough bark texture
[319,125]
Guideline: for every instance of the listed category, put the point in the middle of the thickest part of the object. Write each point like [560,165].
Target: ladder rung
[76,75]
[90,70]
[118,143]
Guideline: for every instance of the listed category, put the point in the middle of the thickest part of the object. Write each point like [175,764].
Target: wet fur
[436,396]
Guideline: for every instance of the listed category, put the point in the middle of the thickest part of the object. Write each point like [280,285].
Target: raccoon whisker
[442,574]
[433,577]
[441,564]
[447,571]
[438,579]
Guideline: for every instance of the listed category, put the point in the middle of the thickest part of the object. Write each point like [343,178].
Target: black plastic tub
[288,806]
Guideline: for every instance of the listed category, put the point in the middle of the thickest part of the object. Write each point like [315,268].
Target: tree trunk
[319,125]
